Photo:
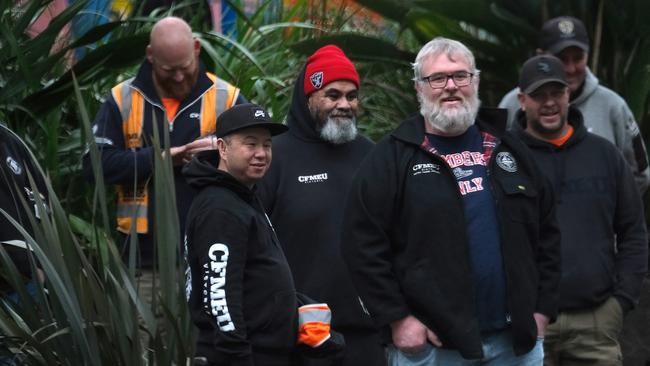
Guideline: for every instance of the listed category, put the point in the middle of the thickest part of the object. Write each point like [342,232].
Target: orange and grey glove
[314,324]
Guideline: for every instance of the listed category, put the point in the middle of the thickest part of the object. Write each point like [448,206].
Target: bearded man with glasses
[449,229]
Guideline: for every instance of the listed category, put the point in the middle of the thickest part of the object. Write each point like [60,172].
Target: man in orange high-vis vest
[171,86]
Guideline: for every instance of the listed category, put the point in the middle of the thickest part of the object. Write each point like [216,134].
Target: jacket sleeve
[632,145]
[366,244]
[548,254]
[14,190]
[119,165]
[218,251]
[631,239]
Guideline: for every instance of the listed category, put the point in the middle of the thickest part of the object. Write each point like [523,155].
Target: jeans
[497,351]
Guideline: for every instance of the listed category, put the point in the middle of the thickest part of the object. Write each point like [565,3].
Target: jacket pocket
[281,323]
[519,201]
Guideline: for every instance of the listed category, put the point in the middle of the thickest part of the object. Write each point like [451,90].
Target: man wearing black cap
[605,113]
[239,286]
[600,215]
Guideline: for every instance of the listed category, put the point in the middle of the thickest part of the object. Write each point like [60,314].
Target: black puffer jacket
[405,240]
[241,294]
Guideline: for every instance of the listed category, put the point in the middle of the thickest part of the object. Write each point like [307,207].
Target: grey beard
[345,130]
[452,122]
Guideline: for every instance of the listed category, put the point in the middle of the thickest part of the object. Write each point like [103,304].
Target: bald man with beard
[171,87]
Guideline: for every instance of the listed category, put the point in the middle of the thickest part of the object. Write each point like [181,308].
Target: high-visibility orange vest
[132,203]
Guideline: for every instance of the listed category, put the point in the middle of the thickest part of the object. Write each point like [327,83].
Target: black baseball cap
[562,32]
[247,115]
[540,70]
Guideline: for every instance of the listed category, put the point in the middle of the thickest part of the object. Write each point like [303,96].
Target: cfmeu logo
[214,287]
[316,178]
[425,169]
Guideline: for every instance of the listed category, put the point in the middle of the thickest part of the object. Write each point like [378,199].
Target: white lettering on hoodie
[215,286]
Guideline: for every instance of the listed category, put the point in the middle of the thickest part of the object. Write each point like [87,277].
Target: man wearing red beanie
[305,189]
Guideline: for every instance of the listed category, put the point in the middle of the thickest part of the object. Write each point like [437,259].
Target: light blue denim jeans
[497,351]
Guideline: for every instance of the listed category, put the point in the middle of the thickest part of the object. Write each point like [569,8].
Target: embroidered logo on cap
[507,162]
[544,67]
[14,165]
[566,27]
[259,113]
[316,79]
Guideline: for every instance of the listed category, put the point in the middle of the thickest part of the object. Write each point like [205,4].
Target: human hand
[410,335]
[198,145]
[202,144]
[178,155]
[542,322]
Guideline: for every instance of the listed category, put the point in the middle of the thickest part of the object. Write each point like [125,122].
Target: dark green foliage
[91,315]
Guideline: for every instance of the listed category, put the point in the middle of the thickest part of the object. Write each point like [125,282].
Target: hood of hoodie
[557,152]
[202,172]
[588,88]
[299,120]
[574,119]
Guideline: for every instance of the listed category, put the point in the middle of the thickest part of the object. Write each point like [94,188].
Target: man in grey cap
[605,113]
[600,214]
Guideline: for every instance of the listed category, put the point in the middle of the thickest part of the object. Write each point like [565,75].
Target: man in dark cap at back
[605,113]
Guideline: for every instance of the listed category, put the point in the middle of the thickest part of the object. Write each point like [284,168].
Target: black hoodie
[239,286]
[304,192]
[600,214]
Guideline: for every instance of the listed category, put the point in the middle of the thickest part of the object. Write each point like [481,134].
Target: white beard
[339,130]
[451,121]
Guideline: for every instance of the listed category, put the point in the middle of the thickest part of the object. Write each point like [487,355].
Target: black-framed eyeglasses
[439,80]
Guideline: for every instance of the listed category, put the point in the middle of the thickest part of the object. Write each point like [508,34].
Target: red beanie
[328,64]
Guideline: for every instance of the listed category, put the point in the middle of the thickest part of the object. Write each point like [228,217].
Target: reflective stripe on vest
[132,203]
[314,324]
